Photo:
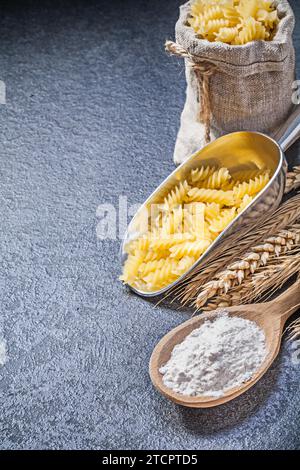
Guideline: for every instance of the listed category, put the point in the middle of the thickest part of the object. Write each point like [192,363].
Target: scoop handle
[289,132]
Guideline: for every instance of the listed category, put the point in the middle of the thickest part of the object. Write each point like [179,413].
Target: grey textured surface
[92,111]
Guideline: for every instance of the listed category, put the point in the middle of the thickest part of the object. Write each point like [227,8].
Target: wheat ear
[239,242]
[293,180]
[248,264]
[263,284]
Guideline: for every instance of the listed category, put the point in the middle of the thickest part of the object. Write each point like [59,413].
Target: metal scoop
[239,151]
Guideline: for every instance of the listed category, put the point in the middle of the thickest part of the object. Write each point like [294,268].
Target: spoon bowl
[270,317]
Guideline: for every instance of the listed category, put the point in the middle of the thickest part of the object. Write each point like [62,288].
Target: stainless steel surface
[287,134]
[237,151]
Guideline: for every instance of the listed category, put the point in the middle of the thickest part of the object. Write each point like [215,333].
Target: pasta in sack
[240,68]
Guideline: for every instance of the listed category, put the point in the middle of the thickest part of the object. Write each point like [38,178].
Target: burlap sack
[232,88]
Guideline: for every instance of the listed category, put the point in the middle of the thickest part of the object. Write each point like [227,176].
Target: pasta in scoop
[192,215]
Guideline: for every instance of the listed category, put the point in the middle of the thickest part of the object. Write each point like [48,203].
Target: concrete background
[93,106]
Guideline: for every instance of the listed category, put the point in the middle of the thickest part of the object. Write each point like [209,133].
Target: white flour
[217,356]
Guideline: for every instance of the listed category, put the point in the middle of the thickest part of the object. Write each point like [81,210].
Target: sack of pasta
[240,68]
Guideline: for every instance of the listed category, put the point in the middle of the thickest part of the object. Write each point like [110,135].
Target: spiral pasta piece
[252,30]
[213,12]
[141,244]
[131,268]
[266,5]
[152,255]
[212,211]
[231,13]
[202,173]
[245,203]
[252,188]
[247,175]
[167,243]
[195,249]
[172,222]
[213,26]
[184,265]
[163,276]
[177,195]
[247,8]
[217,179]
[194,219]
[197,8]
[269,19]
[227,35]
[226,217]
[212,195]
[146,268]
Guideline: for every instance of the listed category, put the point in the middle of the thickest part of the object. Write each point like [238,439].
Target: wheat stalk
[293,180]
[293,329]
[240,242]
[268,263]
[263,284]
[249,263]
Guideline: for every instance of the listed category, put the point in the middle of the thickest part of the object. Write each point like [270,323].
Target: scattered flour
[219,355]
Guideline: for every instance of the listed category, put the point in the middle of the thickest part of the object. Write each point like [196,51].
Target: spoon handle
[289,302]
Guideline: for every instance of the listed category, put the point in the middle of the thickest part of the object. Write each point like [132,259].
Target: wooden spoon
[270,316]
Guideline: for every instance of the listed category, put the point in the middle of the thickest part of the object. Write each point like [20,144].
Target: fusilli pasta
[177,195]
[201,174]
[227,216]
[191,217]
[217,179]
[195,249]
[235,22]
[211,195]
[251,188]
